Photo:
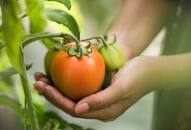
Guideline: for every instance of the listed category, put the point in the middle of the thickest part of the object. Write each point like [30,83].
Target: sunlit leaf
[35,11]
[61,17]
[8,72]
[11,103]
[67,3]
[5,88]
[2,44]
[13,32]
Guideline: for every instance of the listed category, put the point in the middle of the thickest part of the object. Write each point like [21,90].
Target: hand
[132,82]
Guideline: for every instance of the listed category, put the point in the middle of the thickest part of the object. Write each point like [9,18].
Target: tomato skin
[114,56]
[78,77]
[49,56]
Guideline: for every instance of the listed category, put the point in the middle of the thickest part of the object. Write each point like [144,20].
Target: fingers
[107,114]
[55,97]
[41,77]
[99,100]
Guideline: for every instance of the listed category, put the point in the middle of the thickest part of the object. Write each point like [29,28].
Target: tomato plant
[82,64]
[15,35]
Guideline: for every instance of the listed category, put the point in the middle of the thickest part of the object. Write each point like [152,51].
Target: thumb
[99,100]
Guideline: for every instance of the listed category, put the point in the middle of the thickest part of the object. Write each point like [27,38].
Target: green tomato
[114,56]
[51,53]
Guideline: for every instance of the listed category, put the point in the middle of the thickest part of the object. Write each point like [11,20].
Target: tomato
[114,56]
[78,77]
[51,53]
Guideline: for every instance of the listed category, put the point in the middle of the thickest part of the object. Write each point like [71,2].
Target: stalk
[93,38]
[40,36]
[28,97]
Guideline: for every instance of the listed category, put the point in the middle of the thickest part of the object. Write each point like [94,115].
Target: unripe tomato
[78,77]
[114,56]
[51,53]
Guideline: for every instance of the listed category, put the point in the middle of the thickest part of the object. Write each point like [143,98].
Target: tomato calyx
[79,53]
[75,49]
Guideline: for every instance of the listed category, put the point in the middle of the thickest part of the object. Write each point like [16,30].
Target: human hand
[131,82]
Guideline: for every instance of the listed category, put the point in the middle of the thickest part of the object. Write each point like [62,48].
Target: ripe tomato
[78,77]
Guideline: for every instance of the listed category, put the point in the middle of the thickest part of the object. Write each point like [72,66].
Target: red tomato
[78,77]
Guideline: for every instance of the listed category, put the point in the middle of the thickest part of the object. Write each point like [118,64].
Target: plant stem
[93,38]
[40,36]
[30,108]
[28,97]
[23,15]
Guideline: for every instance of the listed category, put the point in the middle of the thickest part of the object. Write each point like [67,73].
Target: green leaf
[13,32]
[5,87]
[2,44]
[11,71]
[61,17]
[35,11]
[67,3]
[8,72]
[12,104]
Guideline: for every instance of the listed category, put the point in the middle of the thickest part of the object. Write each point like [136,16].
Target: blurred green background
[94,18]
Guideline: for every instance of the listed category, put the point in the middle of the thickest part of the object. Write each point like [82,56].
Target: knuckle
[49,93]
[98,103]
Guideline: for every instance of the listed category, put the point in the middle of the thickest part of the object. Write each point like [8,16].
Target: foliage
[13,38]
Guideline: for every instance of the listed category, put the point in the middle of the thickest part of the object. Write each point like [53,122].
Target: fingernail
[82,108]
[39,86]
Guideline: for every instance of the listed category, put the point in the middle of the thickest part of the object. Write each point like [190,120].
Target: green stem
[93,38]
[23,15]
[28,97]
[40,36]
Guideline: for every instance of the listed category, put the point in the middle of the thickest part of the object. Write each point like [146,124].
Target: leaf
[5,88]
[2,44]
[12,104]
[61,17]
[35,11]
[8,72]
[67,3]
[12,31]
[11,71]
